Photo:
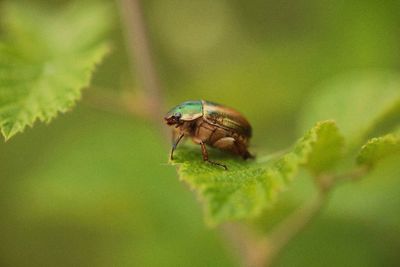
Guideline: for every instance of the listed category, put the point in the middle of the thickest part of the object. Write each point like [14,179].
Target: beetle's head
[187,111]
[173,118]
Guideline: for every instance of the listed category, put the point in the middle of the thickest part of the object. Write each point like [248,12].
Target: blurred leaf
[378,148]
[357,101]
[46,58]
[248,187]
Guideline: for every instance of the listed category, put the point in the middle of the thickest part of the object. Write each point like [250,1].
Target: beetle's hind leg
[244,153]
[205,156]
[234,146]
[241,149]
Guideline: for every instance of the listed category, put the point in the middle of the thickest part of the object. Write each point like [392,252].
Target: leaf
[357,101]
[248,187]
[46,58]
[379,148]
[327,151]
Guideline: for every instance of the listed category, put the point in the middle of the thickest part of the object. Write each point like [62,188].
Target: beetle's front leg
[205,156]
[174,145]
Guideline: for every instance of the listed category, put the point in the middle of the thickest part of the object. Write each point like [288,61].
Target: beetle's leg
[174,145]
[242,149]
[234,146]
[205,156]
[247,155]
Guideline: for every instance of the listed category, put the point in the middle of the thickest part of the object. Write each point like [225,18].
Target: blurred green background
[93,188]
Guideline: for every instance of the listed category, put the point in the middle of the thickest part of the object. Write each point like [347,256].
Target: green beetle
[208,123]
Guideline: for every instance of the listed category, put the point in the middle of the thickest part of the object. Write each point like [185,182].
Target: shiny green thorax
[189,110]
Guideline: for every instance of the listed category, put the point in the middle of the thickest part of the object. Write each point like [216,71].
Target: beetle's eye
[177,115]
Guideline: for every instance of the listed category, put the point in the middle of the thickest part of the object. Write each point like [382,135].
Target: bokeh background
[93,188]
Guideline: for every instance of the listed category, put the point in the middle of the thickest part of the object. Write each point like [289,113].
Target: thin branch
[261,252]
[291,227]
[120,103]
[241,240]
[352,175]
[254,251]
[142,64]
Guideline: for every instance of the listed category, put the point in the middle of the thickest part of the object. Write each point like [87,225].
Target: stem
[141,59]
[291,226]
[123,103]
[242,241]
[262,252]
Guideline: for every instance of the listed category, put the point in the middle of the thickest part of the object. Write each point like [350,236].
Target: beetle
[209,123]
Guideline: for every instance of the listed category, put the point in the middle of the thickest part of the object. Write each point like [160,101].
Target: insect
[208,123]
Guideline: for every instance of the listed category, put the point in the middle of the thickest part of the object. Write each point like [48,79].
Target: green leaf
[46,57]
[357,101]
[327,151]
[379,148]
[248,187]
